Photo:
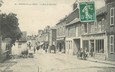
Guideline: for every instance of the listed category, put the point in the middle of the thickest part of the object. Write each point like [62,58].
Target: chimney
[74,6]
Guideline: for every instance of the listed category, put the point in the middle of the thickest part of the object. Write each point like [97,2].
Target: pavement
[49,62]
[7,64]
[93,59]
[101,61]
[19,65]
[67,63]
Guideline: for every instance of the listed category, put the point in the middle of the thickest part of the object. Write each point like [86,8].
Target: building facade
[46,37]
[94,37]
[60,27]
[73,37]
[52,39]
[110,4]
[73,31]
[97,38]
[20,45]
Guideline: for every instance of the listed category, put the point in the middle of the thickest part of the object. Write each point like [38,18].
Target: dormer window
[112,16]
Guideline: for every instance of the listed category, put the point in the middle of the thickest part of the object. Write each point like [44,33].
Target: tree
[1,2]
[9,27]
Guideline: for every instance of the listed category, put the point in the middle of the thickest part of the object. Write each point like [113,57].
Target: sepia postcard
[57,35]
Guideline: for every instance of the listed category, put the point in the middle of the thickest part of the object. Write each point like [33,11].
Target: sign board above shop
[87,11]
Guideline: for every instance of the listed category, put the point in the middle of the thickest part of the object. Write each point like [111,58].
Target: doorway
[92,48]
[76,46]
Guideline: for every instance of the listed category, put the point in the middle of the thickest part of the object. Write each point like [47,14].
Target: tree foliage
[9,27]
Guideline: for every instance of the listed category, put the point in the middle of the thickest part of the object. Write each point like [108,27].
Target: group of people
[82,53]
[28,51]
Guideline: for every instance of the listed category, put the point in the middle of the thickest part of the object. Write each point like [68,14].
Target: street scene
[57,36]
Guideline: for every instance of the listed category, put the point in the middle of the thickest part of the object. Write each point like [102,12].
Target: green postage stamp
[87,11]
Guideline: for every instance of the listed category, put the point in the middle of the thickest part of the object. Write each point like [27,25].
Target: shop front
[61,45]
[95,45]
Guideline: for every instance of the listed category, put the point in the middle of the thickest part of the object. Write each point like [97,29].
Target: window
[86,28]
[19,45]
[111,43]
[112,16]
[68,31]
[100,46]
[91,27]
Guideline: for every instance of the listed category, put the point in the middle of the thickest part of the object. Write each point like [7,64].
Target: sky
[37,14]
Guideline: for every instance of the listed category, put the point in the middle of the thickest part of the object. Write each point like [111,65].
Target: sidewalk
[101,61]
[91,59]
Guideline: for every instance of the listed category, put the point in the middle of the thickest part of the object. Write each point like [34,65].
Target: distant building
[52,37]
[39,37]
[46,36]
[43,37]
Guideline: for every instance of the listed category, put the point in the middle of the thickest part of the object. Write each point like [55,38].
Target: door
[91,48]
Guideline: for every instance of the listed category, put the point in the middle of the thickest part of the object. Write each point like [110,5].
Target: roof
[101,10]
[62,20]
[74,21]
[54,27]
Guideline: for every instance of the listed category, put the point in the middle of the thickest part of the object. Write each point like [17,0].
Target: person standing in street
[81,55]
[34,49]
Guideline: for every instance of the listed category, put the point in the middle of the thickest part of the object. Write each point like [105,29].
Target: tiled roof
[74,14]
[62,20]
[74,21]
